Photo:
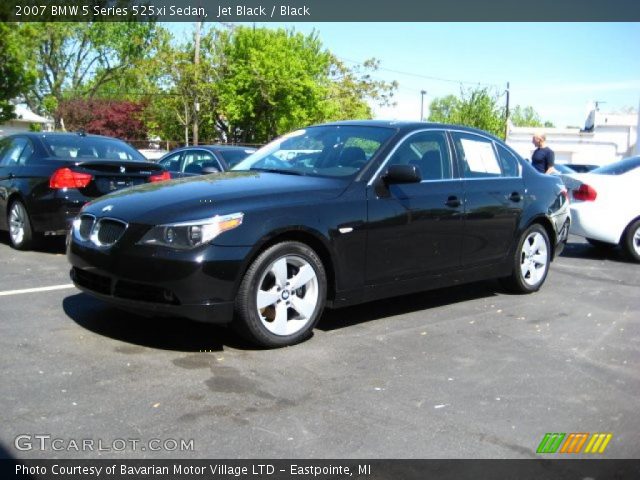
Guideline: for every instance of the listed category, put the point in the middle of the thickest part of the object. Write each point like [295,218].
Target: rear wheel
[531,261]
[20,231]
[281,296]
[631,241]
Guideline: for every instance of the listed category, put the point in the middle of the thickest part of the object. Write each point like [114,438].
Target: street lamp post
[422,94]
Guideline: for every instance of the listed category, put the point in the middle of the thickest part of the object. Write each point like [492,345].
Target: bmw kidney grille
[102,232]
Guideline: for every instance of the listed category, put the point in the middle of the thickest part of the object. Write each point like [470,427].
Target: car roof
[64,134]
[405,125]
[214,147]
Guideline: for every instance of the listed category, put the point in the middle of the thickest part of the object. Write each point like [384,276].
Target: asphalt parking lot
[469,372]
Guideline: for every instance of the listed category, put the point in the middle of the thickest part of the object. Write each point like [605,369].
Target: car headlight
[192,234]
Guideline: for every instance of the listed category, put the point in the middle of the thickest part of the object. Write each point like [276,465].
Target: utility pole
[196,103]
[506,117]
[422,94]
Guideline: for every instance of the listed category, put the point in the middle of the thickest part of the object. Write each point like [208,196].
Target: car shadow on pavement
[164,333]
[182,335]
[345,317]
[587,251]
[54,244]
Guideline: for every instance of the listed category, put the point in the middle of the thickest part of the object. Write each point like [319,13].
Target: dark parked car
[333,215]
[45,178]
[203,159]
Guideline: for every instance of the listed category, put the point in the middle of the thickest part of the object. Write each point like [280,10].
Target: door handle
[452,202]
[515,197]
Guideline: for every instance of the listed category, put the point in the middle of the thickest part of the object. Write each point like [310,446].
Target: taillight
[160,177]
[585,193]
[67,178]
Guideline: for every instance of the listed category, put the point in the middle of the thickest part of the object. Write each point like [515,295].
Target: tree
[525,117]
[15,76]
[443,110]
[254,84]
[122,119]
[473,108]
[77,59]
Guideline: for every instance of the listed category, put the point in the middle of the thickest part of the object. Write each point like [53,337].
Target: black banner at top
[320,10]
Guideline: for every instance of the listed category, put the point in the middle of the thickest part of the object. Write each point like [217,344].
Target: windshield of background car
[233,157]
[618,168]
[87,148]
[324,151]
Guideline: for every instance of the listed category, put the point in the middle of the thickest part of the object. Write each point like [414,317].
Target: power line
[428,77]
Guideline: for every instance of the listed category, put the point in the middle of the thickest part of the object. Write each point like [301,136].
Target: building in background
[22,122]
[607,137]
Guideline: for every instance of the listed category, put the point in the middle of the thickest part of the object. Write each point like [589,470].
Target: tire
[600,244]
[20,231]
[531,261]
[631,241]
[268,311]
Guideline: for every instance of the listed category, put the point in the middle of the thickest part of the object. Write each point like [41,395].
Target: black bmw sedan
[45,178]
[331,215]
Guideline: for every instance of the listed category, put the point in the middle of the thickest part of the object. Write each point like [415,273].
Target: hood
[207,195]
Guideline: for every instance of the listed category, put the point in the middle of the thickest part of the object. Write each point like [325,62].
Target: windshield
[87,148]
[618,168]
[324,151]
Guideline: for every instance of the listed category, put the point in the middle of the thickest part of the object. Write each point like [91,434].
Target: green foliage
[250,85]
[15,76]
[77,59]
[477,108]
[525,117]
[253,84]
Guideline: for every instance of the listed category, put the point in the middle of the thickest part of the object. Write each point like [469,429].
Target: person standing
[543,157]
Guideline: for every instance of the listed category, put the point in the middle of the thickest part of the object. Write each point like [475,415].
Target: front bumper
[199,285]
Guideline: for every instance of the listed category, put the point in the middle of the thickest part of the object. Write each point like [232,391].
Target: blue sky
[557,68]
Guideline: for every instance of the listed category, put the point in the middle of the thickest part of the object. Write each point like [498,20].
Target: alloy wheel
[287,295]
[534,258]
[17,220]
[635,241]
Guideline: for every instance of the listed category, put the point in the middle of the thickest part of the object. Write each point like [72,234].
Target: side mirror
[402,174]
[209,170]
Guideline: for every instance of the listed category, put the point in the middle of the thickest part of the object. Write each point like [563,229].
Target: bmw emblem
[108,208]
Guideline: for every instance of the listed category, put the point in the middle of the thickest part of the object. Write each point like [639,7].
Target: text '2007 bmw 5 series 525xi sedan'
[331,215]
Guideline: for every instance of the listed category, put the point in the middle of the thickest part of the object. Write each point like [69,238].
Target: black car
[45,178]
[203,159]
[333,215]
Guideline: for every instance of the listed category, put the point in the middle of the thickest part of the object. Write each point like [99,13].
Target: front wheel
[281,296]
[531,261]
[631,241]
[20,231]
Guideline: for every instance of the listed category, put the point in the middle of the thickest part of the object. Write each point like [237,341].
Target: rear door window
[477,155]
